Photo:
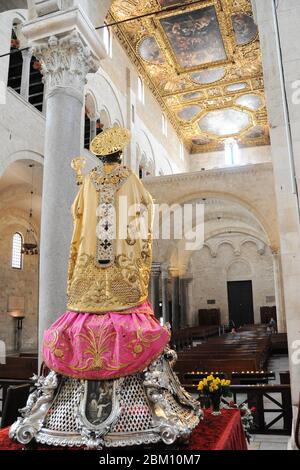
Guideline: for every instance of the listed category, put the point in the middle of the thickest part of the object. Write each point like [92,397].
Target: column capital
[174,271]
[187,278]
[155,269]
[27,53]
[68,47]
[66,61]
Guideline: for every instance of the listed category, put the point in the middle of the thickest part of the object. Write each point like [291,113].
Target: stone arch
[23,154]
[14,217]
[260,233]
[107,97]
[239,230]
[105,118]
[266,228]
[169,170]
[145,154]
[226,242]
[260,245]
[239,270]
[91,107]
[211,249]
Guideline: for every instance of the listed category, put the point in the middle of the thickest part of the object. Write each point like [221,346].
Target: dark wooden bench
[19,368]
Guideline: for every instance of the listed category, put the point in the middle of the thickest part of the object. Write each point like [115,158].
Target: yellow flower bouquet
[215,388]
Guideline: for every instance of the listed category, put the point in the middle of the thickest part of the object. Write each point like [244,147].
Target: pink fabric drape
[98,347]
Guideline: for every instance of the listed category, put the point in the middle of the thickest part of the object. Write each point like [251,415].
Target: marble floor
[269,442]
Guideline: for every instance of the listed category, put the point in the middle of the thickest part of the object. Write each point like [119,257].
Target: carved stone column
[165,294]
[68,48]
[175,298]
[154,288]
[279,295]
[185,320]
[25,80]
[93,131]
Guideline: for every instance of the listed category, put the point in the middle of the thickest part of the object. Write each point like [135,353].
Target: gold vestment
[96,285]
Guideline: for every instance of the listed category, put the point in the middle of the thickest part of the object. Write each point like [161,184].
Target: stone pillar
[93,131]
[279,295]
[175,298]
[154,288]
[25,80]
[130,152]
[165,295]
[68,48]
[278,29]
[185,320]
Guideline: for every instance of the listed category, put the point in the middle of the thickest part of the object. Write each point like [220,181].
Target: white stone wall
[114,88]
[288,13]
[211,273]
[21,132]
[17,283]
[246,156]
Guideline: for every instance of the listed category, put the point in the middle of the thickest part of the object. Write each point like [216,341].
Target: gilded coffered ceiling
[202,61]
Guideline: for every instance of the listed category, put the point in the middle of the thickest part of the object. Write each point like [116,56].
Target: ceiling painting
[202,61]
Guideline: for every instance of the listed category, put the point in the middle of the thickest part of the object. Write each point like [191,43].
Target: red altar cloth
[223,432]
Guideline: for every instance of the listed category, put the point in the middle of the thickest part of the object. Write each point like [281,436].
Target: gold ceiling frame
[230,98]
[210,83]
[168,50]
[169,86]
[219,83]
[217,137]
[246,13]
[252,92]
[137,47]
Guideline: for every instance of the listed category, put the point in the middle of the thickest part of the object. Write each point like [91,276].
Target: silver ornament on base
[145,408]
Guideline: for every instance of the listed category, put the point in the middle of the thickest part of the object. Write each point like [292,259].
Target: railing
[260,396]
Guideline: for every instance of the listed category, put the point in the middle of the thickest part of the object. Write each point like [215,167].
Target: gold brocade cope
[123,282]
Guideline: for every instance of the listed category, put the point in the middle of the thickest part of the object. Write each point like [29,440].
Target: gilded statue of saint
[109,328]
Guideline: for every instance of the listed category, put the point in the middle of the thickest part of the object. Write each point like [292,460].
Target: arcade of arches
[182,147]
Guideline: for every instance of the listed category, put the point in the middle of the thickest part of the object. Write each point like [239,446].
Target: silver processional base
[144,408]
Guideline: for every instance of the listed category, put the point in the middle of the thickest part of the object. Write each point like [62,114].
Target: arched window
[164,124]
[141,90]
[32,91]
[15,62]
[107,40]
[141,172]
[231,152]
[17,257]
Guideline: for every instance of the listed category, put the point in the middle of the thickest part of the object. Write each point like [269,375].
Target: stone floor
[269,442]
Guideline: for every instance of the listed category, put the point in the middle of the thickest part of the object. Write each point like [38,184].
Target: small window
[141,90]
[181,151]
[141,172]
[164,125]
[231,152]
[107,40]
[17,257]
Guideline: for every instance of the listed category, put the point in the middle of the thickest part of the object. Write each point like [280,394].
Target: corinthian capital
[66,61]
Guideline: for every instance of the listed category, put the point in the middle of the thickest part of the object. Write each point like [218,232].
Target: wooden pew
[19,368]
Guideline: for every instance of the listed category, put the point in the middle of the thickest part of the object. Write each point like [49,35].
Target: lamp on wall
[18,317]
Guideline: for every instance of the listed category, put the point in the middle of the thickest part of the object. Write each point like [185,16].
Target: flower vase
[216,402]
